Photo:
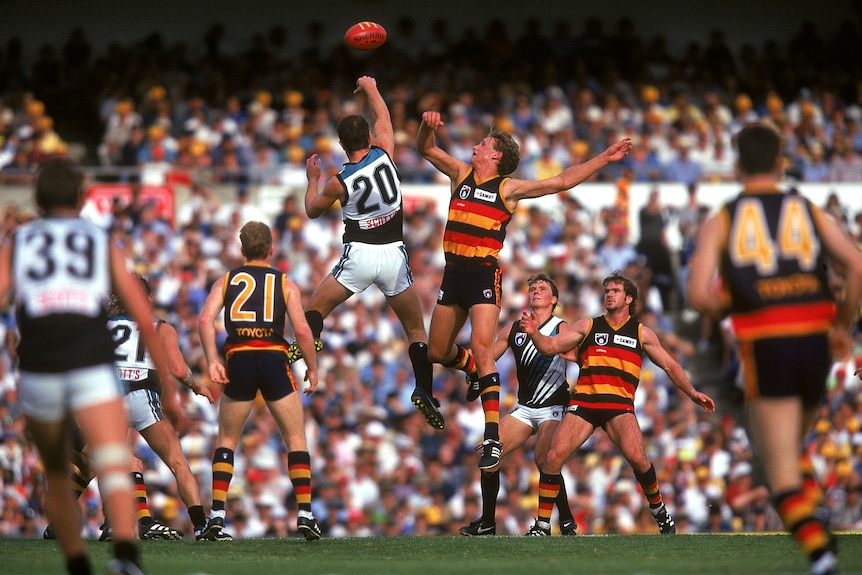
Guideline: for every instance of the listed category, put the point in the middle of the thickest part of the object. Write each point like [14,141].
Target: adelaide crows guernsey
[61,270]
[774,268]
[372,204]
[254,309]
[610,360]
[476,226]
[541,378]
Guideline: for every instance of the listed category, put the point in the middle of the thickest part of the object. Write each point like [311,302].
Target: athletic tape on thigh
[111,463]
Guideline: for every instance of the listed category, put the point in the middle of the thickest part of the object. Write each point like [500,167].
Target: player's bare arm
[845,253]
[382,134]
[501,344]
[516,190]
[5,274]
[426,145]
[661,358]
[317,201]
[564,341]
[206,326]
[703,268]
[179,369]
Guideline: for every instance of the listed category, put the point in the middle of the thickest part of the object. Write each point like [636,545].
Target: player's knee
[178,465]
[540,461]
[112,464]
[552,463]
[436,355]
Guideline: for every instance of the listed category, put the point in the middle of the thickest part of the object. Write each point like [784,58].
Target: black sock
[126,550]
[490,482]
[78,565]
[315,322]
[422,368]
[196,514]
[563,504]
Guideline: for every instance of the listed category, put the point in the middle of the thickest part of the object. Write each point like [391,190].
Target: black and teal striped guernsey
[541,378]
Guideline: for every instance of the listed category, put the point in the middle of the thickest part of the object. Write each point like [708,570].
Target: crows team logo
[520,339]
[464,192]
[488,293]
[602,338]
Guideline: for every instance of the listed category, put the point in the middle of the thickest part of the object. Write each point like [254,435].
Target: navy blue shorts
[786,367]
[250,371]
[469,284]
[593,416]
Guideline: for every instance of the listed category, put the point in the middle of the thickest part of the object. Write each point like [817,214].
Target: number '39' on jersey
[61,272]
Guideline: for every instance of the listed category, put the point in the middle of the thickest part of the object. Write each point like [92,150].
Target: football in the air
[365,36]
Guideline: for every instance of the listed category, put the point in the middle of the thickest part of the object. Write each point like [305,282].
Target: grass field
[589,555]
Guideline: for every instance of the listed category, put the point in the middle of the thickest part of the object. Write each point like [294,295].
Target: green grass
[451,555]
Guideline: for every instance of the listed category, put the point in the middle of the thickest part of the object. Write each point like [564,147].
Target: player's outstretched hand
[704,401]
[432,119]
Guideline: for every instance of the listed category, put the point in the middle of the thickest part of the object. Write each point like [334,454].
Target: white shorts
[534,416]
[49,397]
[387,266]
[144,408]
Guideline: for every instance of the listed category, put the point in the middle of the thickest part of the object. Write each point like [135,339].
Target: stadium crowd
[252,117]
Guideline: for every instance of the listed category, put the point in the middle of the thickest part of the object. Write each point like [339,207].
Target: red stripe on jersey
[486,211]
[464,239]
[785,320]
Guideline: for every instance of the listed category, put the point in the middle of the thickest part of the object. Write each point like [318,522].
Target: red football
[365,36]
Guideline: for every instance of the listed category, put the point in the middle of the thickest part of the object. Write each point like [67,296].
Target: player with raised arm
[368,188]
[483,199]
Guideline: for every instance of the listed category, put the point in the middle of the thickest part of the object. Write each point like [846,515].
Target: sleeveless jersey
[774,269]
[541,378]
[610,361]
[133,361]
[372,205]
[254,309]
[476,226]
[61,271]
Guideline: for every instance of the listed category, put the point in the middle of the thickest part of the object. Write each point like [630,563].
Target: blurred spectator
[118,129]
[653,246]
[683,167]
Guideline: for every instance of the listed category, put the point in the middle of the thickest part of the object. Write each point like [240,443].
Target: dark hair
[59,184]
[759,146]
[511,157]
[148,289]
[629,288]
[354,133]
[116,307]
[544,278]
[256,240]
